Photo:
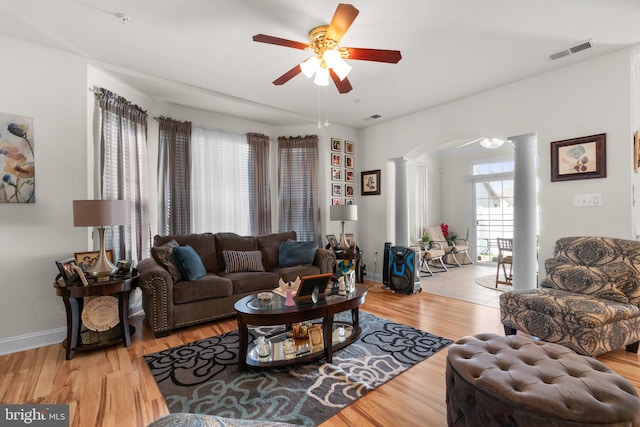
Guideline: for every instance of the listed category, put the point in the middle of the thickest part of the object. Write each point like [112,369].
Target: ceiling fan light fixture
[310,66]
[322,77]
[334,60]
[491,143]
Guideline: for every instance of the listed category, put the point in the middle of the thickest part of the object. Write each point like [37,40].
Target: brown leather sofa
[169,303]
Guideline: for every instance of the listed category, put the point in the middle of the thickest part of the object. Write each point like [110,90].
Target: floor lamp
[100,213]
[343,213]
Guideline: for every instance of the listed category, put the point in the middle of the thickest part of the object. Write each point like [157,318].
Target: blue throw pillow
[296,253]
[189,262]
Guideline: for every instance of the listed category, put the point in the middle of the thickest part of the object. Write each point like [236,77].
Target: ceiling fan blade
[378,55]
[341,21]
[287,76]
[263,38]
[344,86]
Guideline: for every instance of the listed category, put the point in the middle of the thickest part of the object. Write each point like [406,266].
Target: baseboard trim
[33,340]
[45,338]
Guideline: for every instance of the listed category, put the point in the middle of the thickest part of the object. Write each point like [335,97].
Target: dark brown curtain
[123,172]
[174,177]
[298,187]
[259,189]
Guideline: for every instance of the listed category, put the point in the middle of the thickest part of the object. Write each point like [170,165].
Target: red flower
[445,230]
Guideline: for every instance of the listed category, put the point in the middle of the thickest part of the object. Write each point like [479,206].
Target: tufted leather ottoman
[516,381]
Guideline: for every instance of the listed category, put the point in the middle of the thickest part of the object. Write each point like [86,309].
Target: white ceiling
[199,53]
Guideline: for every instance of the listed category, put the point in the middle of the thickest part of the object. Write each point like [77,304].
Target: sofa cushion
[163,255]
[237,261]
[203,243]
[254,281]
[296,253]
[233,242]
[188,262]
[269,245]
[209,286]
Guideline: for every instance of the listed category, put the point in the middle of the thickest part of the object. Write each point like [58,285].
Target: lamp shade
[343,212]
[90,213]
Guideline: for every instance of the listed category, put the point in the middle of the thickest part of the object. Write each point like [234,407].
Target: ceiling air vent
[587,44]
[373,117]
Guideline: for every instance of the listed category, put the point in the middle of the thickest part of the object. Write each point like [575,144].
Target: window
[220,182]
[298,187]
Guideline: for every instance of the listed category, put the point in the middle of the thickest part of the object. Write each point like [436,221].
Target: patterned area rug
[202,377]
[490,282]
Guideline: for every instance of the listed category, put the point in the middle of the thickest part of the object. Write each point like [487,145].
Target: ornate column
[525,235]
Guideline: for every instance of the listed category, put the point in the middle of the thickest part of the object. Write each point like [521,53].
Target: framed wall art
[636,151]
[17,159]
[579,158]
[336,201]
[336,144]
[348,147]
[336,174]
[349,162]
[336,190]
[349,176]
[336,159]
[370,184]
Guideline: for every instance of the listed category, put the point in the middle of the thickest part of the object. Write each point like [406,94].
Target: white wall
[579,100]
[50,87]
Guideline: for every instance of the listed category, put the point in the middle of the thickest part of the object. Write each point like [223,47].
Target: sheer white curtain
[418,199]
[219,182]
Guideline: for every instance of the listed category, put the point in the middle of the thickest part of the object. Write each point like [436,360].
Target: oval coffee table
[252,311]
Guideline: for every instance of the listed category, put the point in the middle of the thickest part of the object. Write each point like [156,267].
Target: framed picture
[66,268]
[349,176]
[336,190]
[348,162]
[336,159]
[336,144]
[579,158]
[349,201]
[636,151]
[349,190]
[350,238]
[87,259]
[331,238]
[370,184]
[316,340]
[336,201]
[348,147]
[336,174]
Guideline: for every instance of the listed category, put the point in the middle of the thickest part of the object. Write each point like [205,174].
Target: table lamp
[100,213]
[343,213]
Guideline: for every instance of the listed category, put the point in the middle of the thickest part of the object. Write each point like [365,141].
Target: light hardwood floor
[113,387]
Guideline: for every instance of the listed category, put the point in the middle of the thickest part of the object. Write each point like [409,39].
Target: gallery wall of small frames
[343,172]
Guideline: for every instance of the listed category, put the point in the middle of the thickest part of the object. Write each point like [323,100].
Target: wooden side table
[73,297]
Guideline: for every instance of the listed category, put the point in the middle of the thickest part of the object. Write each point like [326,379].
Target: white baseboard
[45,338]
[33,340]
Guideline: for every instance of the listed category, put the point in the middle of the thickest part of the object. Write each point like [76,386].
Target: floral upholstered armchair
[589,300]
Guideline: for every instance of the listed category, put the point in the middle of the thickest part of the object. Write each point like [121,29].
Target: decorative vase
[289,301]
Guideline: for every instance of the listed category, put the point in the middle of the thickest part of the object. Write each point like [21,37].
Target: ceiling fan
[328,57]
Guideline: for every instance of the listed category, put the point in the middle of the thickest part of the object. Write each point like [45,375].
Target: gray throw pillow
[164,256]
[189,262]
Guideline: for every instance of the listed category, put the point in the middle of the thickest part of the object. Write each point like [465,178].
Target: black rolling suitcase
[404,274]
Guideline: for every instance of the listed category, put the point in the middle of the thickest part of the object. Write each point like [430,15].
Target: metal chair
[429,255]
[505,257]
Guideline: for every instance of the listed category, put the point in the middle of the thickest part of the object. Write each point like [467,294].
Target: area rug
[202,377]
[490,282]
